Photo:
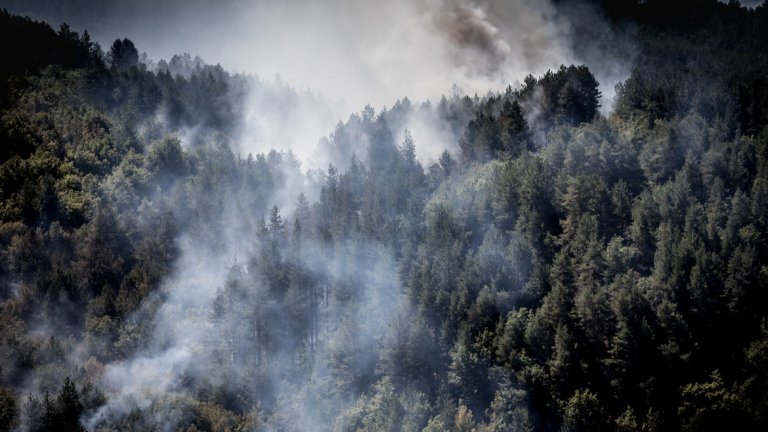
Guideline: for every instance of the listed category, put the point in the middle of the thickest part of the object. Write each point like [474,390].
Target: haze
[354,52]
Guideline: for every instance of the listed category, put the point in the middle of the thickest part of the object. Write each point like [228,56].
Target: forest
[564,265]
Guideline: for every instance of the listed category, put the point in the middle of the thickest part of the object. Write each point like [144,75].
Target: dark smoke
[466,26]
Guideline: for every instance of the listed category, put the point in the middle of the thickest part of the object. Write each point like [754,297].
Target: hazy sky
[361,51]
[352,51]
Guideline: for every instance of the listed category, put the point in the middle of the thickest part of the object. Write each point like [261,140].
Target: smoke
[328,59]
[431,135]
[467,28]
[607,49]
[337,56]
[275,115]
[180,329]
[181,355]
[375,55]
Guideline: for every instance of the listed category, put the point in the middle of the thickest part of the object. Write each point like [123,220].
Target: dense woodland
[563,270]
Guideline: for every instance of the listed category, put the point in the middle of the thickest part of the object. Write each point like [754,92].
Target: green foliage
[9,412]
[709,405]
[123,54]
[499,130]
[564,270]
[569,96]
[583,412]
[166,160]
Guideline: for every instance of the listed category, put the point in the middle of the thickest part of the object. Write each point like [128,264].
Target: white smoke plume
[329,58]
[350,53]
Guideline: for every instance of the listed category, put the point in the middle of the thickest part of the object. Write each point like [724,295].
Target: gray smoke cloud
[329,58]
[467,27]
[351,52]
[321,61]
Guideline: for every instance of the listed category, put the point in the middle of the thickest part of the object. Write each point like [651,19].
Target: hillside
[561,266]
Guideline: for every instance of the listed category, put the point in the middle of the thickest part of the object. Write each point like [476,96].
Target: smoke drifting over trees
[441,215]
[353,53]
